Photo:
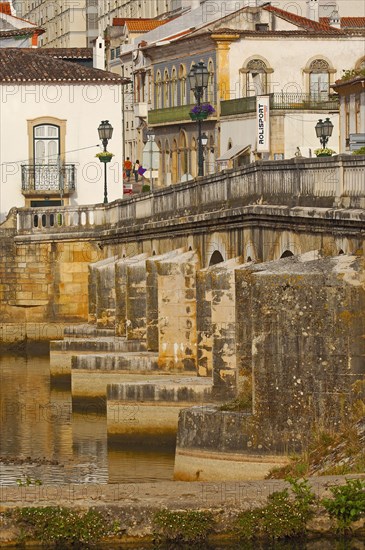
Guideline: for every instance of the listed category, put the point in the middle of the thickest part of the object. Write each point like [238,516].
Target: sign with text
[263,123]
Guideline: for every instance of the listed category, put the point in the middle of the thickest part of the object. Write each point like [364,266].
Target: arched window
[256,78]
[46,144]
[319,78]
[211,82]
[173,87]
[183,151]
[158,91]
[191,93]
[182,81]
[166,88]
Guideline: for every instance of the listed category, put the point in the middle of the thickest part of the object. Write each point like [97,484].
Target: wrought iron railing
[284,101]
[53,179]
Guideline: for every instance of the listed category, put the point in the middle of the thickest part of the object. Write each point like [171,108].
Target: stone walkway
[161,494]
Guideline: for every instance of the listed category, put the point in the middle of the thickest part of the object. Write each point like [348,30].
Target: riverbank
[134,505]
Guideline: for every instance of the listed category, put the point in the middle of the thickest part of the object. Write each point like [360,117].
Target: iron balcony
[50,179]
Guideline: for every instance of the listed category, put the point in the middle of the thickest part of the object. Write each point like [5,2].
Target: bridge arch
[216,258]
[287,254]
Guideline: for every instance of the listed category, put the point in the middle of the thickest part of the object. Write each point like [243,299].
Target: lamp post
[150,134]
[202,144]
[105,130]
[324,131]
[198,78]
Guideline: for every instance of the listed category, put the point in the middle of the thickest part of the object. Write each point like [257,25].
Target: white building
[50,111]
[244,53]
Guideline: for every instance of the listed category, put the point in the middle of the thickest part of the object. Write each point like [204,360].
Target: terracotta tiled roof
[140,24]
[347,22]
[19,65]
[300,21]
[5,8]
[64,53]
[21,32]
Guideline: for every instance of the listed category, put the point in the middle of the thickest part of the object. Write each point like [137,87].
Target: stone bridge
[248,282]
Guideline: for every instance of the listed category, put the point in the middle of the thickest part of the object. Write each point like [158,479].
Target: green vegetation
[27,481]
[243,401]
[190,526]
[352,73]
[360,151]
[284,516]
[56,526]
[348,504]
[146,188]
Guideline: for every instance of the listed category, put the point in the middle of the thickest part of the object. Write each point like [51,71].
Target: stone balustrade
[317,182]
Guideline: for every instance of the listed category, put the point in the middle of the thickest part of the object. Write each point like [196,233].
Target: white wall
[83,107]
[288,75]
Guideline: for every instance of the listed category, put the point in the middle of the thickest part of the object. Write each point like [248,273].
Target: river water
[37,421]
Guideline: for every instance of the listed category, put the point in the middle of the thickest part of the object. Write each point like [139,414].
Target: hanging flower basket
[326,152]
[201,112]
[105,156]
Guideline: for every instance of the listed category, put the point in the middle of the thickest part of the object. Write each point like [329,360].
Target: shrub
[190,526]
[146,188]
[57,526]
[282,517]
[360,151]
[348,504]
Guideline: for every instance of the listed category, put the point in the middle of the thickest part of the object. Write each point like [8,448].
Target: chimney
[99,53]
[335,20]
[312,10]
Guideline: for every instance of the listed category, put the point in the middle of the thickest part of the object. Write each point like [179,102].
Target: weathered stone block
[177,312]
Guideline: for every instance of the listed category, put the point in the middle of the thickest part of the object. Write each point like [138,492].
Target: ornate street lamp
[105,130]
[198,78]
[150,135]
[324,131]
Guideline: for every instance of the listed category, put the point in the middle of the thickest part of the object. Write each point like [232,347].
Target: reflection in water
[37,422]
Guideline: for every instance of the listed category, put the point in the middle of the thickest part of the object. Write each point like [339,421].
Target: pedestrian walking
[127,168]
[135,170]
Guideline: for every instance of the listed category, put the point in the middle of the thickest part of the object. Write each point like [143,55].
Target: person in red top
[128,168]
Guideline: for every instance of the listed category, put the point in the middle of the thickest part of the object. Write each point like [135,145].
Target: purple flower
[205,108]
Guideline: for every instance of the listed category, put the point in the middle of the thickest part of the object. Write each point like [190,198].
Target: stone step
[128,361]
[170,389]
[102,343]
[87,331]
[144,414]
[61,351]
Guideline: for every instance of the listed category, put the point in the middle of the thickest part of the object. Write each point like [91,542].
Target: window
[211,83]
[158,91]
[256,78]
[261,27]
[112,54]
[173,88]
[319,78]
[182,80]
[117,52]
[46,144]
[166,87]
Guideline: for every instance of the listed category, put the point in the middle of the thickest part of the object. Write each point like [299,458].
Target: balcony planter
[201,112]
[199,116]
[105,156]
[324,155]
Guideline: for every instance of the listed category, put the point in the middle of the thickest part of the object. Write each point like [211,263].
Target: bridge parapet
[318,182]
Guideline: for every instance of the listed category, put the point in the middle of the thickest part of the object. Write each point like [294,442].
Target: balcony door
[46,154]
